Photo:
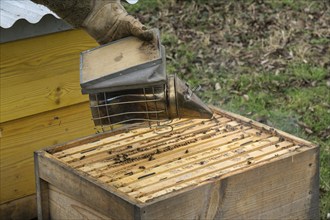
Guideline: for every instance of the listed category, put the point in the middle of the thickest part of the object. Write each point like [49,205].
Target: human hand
[109,21]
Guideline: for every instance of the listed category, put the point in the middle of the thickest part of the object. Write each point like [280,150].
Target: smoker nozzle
[183,102]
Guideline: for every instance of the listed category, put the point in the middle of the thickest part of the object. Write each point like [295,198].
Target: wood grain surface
[20,138]
[41,74]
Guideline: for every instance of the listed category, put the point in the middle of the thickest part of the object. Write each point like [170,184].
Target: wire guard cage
[111,109]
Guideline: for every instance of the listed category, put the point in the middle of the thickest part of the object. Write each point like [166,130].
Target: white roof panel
[14,10]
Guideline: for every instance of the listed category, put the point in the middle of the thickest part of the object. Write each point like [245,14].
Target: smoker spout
[183,102]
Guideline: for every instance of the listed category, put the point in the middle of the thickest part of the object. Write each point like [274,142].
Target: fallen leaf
[246,97]
[217,86]
[308,131]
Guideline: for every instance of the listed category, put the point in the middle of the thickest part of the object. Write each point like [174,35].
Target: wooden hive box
[228,167]
[40,105]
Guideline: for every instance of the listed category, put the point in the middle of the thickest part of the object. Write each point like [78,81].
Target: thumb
[137,29]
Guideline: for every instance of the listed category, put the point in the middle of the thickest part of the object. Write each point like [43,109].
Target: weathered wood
[41,74]
[161,159]
[42,188]
[260,126]
[204,175]
[63,206]
[89,192]
[20,138]
[128,137]
[284,189]
[225,168]
[23,208]
[166,173]
[103,153]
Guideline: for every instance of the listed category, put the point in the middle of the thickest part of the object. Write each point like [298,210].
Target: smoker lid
[148,75]
[119,61]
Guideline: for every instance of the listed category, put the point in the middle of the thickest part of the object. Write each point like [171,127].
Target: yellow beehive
[41,105]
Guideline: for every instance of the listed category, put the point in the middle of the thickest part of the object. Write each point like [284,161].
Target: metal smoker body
[132,91]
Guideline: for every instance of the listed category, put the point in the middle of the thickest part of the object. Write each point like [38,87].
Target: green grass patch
[310,104]
[293,4]
[143,6]
[321,41]
[307,72]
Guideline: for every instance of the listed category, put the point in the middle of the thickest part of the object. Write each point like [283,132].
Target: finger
[143,34]
[137,29]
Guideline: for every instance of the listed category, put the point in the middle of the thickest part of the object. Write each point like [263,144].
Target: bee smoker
[127,83]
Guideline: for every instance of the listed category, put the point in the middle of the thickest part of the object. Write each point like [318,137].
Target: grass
[267,60]
[147,5]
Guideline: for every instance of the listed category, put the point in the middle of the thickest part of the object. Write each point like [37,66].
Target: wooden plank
[190,205]
[142,141]
[42,199]
[163,160]
[63,206]
[41,74]
[20,138]
[187,173]
[205,174]
[112,174]
[285,188]
[262,127]
[42,188]
[98,196]
[161,144]
[123,142]
[23,208]
[210,157]
[99,145]
[277,188]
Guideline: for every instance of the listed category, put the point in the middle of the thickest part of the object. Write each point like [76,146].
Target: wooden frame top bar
[144,166]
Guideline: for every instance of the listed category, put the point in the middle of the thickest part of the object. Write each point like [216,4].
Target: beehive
[40,105]
[226,167]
